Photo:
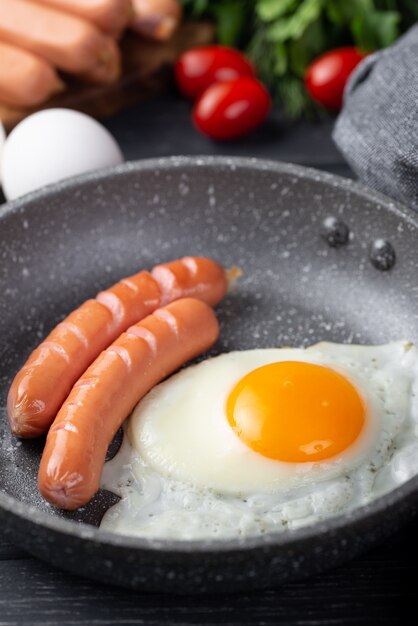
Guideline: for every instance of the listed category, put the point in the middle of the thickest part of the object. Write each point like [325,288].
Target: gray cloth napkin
[377,130]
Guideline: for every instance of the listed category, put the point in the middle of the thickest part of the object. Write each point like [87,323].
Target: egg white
[161,499]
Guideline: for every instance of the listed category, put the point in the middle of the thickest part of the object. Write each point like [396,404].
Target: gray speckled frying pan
[60,246]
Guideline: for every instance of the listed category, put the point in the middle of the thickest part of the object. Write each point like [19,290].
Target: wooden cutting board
[146,71]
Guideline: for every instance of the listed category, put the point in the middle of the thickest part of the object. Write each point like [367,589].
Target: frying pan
[61,245]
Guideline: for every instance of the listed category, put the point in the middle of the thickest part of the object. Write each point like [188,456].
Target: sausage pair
[103,397]
[114,383]
[59,40]
[75,36]
[43,383]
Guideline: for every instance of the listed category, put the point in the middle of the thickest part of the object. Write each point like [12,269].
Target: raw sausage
[25,79]
[68,42]
[104,396]
[111,16]
[157,19]
[44,382]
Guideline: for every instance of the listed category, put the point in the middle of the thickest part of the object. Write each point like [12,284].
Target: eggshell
[54,144]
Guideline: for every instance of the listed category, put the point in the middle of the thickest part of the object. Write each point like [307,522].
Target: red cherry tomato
[232,108]
[327,76]
[197,69]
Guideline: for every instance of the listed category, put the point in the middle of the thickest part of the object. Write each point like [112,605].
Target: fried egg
[259,440]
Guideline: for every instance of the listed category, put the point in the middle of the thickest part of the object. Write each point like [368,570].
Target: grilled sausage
[44,382]
[104,396]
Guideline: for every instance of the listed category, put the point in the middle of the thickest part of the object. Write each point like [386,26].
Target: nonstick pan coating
[61,245]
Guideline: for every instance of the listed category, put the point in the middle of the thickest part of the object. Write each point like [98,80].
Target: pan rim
[353,519]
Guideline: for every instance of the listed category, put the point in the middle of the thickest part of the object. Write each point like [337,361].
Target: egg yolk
[296,412]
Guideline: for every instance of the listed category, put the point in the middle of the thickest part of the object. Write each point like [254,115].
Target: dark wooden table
[379,588]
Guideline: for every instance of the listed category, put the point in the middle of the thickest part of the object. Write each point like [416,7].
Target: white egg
[54,144]
[184,473]
[2,140]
